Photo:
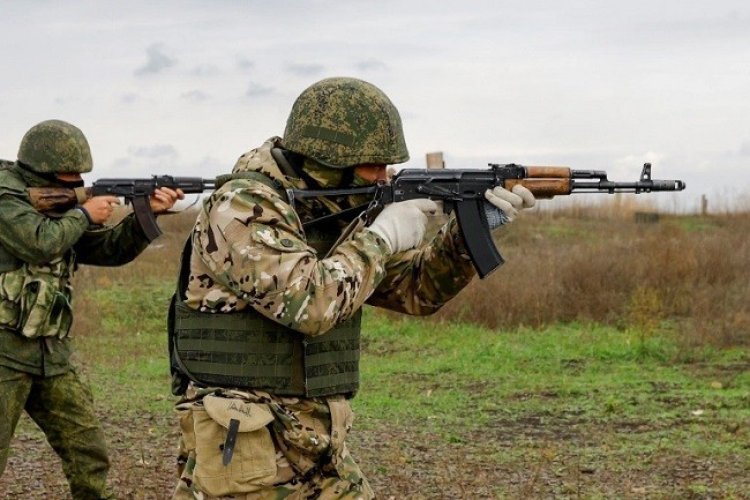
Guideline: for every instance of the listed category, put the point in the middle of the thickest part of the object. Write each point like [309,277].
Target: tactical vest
[34,298]
[247,350]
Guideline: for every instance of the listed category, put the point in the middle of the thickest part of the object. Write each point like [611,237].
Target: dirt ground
[533,457]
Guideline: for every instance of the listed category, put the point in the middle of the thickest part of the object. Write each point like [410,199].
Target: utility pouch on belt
[251,463]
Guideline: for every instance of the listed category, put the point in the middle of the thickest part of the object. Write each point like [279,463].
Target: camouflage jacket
[250,250]
[47,249]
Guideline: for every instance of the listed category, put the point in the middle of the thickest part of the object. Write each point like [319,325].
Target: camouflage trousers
[283,448]
[62,406]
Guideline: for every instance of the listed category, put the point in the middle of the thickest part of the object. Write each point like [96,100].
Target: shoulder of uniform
[261,160]
[11,181]
[247,180]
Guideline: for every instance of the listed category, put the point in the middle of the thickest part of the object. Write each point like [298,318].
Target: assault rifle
[462,191]
[135,191]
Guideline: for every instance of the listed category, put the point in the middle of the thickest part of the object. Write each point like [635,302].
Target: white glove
[402,225]
[507,202]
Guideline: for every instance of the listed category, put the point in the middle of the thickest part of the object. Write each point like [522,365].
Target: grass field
[648,399]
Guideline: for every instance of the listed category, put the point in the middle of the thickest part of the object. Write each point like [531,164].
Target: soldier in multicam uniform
[38,255]
[265,324]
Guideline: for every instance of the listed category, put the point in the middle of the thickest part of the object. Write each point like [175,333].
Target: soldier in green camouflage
[265,324]
[38,255]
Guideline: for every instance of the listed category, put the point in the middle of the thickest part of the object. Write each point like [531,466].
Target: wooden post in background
[704,205]
[435,160]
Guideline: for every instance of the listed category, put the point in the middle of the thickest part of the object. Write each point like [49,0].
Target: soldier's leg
[343,481]
[14,390]
[63,407]
[337,479]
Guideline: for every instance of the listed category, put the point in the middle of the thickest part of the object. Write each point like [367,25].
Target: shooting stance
[38,255]
[265,324]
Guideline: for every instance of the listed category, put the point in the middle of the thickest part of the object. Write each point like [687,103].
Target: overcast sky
[185,87]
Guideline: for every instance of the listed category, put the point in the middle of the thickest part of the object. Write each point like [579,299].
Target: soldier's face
[370,173]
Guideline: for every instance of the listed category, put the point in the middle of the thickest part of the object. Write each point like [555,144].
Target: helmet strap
[291,164]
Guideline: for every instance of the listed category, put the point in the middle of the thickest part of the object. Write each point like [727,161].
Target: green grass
[130,348]
[413,370]
[559,398]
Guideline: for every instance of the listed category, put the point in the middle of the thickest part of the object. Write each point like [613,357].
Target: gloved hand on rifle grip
[402,225]
[503,205]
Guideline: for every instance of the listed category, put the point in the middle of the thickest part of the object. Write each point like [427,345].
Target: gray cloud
[613,79]
[205,70]
[305,69]
[157,61]
[121,163]
[195,95]
[244,63]
[129,98]
[154,151]
[210,164]
[256,89]
[370,65]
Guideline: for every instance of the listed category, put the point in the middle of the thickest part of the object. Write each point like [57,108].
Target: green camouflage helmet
[55,146]
[342,122]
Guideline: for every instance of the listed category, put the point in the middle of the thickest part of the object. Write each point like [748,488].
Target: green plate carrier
[247,350]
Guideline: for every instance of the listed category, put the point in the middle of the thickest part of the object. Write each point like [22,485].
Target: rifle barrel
[605,186]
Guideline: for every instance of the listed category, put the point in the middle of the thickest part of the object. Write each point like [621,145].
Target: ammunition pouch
[35,300]
[45,310]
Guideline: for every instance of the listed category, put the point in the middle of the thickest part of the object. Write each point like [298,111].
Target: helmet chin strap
[291,164]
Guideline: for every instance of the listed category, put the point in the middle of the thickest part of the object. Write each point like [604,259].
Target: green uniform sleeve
[32,236]
[252,243]
[420,281]
[112,245]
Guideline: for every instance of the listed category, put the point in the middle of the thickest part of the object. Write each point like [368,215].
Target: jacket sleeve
[420,281]
[252,242]
[113,245]
[33,237]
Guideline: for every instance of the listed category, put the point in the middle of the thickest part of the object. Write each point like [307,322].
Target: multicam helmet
[342,122]
[55,146]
